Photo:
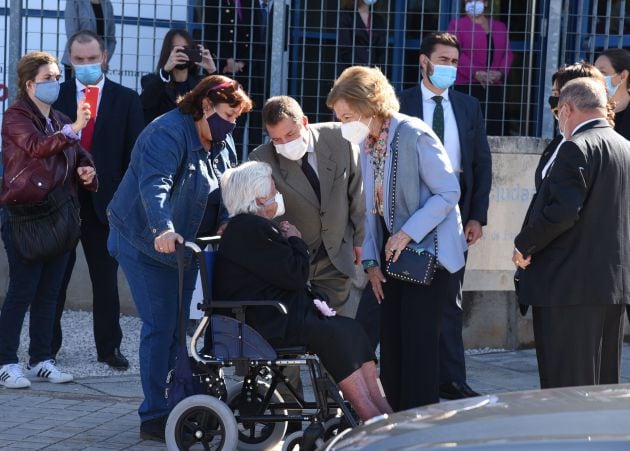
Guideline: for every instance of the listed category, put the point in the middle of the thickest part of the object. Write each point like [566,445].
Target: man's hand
[473,231]
[519,260]
[376,280]
[357,255]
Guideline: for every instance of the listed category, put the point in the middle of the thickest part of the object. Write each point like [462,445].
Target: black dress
[255,262]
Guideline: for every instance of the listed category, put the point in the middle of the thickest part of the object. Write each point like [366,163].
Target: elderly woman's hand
[165,241]
[86,174]
[395,244]
[288,230]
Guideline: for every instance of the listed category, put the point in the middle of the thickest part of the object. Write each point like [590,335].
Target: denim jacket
[165,187]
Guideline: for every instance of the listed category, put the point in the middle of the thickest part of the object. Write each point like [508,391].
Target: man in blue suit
[117,121]
[465,140]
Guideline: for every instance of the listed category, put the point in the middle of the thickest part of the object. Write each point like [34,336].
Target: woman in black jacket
[258,259]
[614,64]
[176,74]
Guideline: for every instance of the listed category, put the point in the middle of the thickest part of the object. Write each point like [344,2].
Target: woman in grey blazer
[405,204]
[93,15]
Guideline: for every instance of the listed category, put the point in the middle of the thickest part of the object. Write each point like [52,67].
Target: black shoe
[116,360]
[153,429]
[457,390]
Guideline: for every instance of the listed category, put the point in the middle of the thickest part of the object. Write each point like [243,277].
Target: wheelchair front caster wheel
[293,442]
[201,422]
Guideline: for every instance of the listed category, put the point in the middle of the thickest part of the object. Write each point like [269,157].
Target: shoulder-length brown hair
[217,89]
[28,68]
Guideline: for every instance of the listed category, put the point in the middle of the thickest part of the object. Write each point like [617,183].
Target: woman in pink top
[484,60]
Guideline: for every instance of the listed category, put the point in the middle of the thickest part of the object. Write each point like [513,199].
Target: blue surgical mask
[219,127]
[443,77]
[369,2]
[88,74]
[475,8]
[609,86]
[47,91]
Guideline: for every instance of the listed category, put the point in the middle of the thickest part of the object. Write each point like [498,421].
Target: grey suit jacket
[427,192]
[338,222]
[79,15]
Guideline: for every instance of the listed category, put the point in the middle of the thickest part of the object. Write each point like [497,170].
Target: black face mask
[219,127]
[184,66]
[553,103]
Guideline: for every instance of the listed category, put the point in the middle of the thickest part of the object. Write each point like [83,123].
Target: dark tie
[438,118]
[311,176]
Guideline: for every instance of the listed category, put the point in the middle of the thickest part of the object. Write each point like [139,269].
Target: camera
[194,55]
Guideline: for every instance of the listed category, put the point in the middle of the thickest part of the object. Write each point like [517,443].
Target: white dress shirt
[451,134]
[310,150]
[555,152]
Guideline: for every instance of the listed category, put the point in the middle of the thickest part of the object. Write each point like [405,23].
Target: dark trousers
[104,277]
[452,360]
[410,336]
[34,285]
[578,344]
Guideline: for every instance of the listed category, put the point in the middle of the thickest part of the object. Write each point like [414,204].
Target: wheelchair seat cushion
[227,344]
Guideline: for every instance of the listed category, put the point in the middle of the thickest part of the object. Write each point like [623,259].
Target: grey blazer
[427,192]
[79,16]
[338,221]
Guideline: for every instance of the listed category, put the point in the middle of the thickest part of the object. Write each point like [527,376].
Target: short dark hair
[430,41]
[85,36]
[167,47]
[576,70]
[619,60]
[281,107]
[217,89]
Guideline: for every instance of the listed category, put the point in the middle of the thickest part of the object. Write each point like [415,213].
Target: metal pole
[15,46]
[279,49]
[551,60]
[532,34]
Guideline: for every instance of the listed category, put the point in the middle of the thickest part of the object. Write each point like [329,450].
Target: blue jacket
[166,186]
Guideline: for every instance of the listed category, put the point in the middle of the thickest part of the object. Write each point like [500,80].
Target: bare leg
[355,390]
[374,388]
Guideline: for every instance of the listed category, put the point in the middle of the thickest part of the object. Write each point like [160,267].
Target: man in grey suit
[459,123]
[318,174]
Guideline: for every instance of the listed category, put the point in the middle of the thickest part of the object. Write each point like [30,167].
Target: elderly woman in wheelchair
[261,264]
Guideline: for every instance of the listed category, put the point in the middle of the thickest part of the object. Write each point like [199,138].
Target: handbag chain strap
[395,145]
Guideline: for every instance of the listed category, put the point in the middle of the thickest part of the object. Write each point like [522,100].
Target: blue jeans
[34,285]
[154,287]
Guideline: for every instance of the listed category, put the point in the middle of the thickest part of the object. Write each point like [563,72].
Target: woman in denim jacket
[169,194]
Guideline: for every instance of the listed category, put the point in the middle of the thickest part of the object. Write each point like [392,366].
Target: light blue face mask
[443,77]
[369,2]
[47,91]
[609,86]
[88,74]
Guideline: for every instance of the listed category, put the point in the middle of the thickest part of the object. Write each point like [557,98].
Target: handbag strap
[183,317]
[392,208]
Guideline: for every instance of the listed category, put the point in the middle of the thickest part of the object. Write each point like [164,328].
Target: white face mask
[293,150]
[475,8]
[355,131]
[280,201]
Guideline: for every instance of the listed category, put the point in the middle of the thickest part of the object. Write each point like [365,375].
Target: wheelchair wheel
[201,422]
[292,442]
[253,435]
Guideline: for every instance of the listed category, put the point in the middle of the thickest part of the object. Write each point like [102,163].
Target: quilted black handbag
[43,230]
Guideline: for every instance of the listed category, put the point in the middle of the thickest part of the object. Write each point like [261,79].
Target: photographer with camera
[176,75]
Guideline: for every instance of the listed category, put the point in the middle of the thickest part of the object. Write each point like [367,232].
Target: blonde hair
[366,90]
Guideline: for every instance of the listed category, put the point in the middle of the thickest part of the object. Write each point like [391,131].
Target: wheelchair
[250,414]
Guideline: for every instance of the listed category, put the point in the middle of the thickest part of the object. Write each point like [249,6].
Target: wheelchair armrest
[237,304]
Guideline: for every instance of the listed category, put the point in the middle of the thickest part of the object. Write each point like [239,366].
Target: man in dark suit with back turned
[109,138]
[572,254]
[459,123]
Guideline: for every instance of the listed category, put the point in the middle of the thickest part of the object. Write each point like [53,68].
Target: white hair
[240,186]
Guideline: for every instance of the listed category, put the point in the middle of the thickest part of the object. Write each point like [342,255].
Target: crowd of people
[400,185]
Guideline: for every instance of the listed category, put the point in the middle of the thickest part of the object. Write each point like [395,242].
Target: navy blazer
[476,179]
[119,121]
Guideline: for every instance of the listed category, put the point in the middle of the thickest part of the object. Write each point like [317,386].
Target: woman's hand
[83,116]
[482,77]
[288,230]
[86,174]
[395,244]
[233,67]
[165,241]
[494,76]
[207,63]
[377,279]
[176,57]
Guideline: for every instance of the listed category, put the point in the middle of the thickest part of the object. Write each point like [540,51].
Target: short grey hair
[585,94]
[240,186]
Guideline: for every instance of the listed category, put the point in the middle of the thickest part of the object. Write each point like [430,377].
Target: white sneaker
[12,376]
[47,371]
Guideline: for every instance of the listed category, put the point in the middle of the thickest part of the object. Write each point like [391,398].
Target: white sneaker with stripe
[47,371]
[12,376]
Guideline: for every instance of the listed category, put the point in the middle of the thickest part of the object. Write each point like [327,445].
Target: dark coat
[118,124]
[159,97]
[476,160]
[623,126]
[255,262]
[36,160]
[358,45]
[578,229]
